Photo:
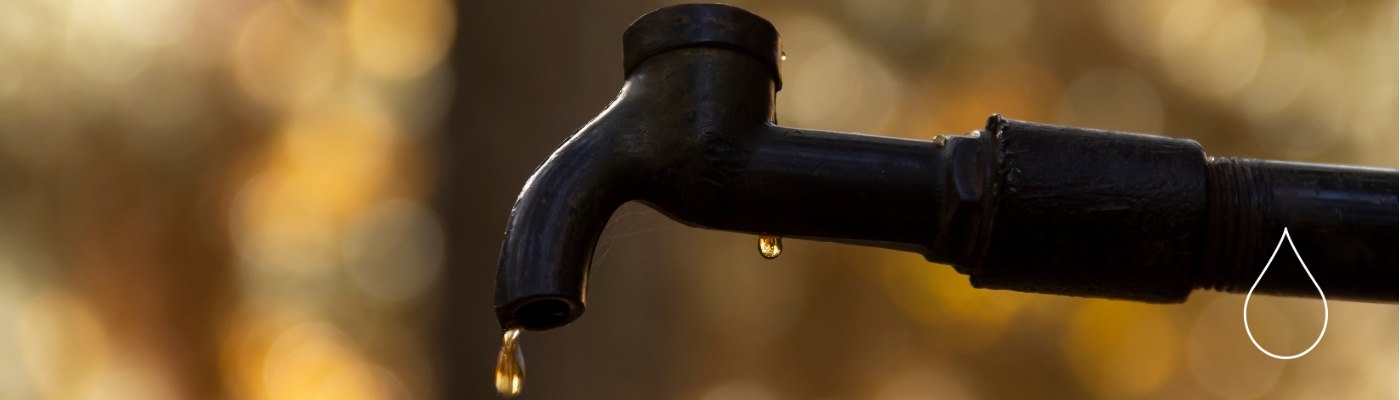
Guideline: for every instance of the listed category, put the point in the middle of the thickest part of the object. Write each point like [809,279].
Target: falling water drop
[1247,331]
[510,365]
[770,246]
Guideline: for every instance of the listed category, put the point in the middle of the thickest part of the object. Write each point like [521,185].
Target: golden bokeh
[399,39]
[1223,361]
[833,85]
[63,345]
[300,199]
[1212,47]
[1120,349]
[281,59]
[938,298]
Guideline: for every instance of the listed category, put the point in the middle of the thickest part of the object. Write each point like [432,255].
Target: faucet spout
[552,230]
[693,135]
[699,81]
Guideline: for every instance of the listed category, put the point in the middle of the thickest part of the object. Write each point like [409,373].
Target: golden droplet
[510,365]
[940,141]
[770,246]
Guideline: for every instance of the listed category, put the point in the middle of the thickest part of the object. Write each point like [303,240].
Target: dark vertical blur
[532,73]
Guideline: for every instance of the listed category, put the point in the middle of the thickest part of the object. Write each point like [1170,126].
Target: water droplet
[510,365]
[1281,240]
[782,56]
[770,246]
[940,140]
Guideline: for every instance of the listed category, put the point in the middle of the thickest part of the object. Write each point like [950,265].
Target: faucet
[1016,205]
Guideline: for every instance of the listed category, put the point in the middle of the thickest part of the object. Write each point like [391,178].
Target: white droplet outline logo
[1288,238]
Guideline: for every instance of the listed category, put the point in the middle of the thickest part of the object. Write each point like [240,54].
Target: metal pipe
[1017,205]
[1106,214]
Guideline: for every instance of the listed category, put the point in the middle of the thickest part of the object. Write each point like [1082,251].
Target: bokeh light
[179,168]
[299,199]
[1224,363]
[926,383]
[63,345]
[399,39]
[1121,350]
[394,251]
[833,84]
[283,59]
[939,298]
[1212,47]
[1112,98]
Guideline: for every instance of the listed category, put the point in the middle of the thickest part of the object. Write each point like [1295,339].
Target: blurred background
[304,199]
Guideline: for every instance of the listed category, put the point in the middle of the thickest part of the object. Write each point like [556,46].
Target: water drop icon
[1281,240]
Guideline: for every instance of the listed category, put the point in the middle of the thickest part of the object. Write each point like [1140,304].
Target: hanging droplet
[510,365]
[1247,331]
[782,56]
[770,246]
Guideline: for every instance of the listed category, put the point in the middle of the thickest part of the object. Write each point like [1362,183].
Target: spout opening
[544,313]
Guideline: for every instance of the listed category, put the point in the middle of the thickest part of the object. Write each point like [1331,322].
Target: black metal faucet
[1017,205]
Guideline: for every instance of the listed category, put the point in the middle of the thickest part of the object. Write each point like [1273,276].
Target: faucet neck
[685,84]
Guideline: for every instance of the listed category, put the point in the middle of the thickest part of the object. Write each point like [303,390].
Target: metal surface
[1019,205]
[1105,214]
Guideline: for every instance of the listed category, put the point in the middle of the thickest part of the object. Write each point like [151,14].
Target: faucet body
[1017,205]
